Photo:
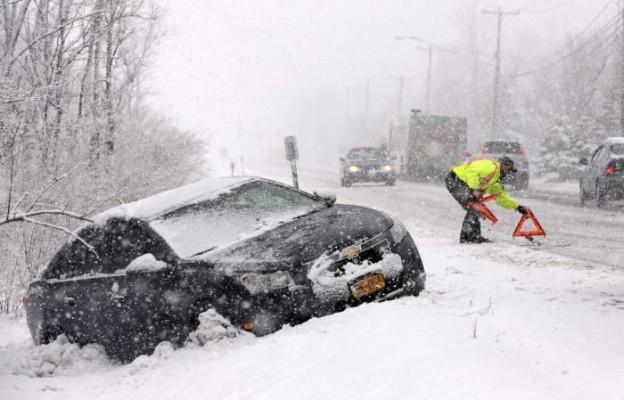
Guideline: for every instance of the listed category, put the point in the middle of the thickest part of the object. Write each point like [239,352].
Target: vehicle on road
[603,179]
[257,252]
[429,145]
[496,149]
[367,164]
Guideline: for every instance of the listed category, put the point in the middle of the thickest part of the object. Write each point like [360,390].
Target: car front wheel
[601,194]
[582,195]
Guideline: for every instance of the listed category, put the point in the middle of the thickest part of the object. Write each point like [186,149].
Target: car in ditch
[367,164]
[603,178]
[259,253]
[496,149]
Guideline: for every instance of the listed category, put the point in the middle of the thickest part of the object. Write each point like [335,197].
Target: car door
[589,174]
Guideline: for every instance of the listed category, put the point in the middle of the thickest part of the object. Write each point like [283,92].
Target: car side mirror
[583,161]
[342,159]
[328,198]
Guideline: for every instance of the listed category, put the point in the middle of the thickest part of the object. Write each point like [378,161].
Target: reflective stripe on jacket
[485,174]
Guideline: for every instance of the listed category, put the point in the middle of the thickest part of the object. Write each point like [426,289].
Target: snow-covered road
[505,320]
[592,235]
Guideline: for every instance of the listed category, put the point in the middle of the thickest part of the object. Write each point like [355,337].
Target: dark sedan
[367,164]
[258,252]
[603,179]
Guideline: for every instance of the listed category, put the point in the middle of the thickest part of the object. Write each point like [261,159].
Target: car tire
[582,195]
[390,183]
[46,333]
[345,182]
[601,194]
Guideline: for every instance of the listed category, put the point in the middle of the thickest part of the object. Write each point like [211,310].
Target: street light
[428,90]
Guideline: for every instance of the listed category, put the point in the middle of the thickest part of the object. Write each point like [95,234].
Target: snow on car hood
[302,240]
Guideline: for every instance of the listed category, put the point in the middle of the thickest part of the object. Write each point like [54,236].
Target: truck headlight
[387,168]
[353,168]
[263,283]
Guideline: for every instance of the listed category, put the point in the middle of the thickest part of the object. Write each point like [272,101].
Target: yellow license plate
[367,285]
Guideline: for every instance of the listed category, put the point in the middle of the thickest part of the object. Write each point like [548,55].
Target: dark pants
[471,228]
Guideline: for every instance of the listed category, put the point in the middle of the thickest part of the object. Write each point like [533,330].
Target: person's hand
[479,193]
[522,210]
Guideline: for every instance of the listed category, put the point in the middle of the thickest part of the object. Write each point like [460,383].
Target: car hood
[372,163]
[302,240]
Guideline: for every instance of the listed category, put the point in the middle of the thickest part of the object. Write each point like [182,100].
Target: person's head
[506,166]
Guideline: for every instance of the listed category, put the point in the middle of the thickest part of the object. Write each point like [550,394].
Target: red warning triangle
[484,211]
[482,208]
[537,229]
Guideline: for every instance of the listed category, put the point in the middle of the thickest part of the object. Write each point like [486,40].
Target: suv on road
[603,179]
[496,149]
[367,164]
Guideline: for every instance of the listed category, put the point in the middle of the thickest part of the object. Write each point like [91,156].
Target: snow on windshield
[247,212]
[163,202]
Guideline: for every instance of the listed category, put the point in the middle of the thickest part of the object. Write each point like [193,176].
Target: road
[591,235]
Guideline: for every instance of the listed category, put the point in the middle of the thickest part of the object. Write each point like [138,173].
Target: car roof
[159,204]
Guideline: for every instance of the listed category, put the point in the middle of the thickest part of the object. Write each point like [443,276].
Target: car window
[114,246]
[502,148]
[366,153]
[596,155]
[242,213]
[617,149]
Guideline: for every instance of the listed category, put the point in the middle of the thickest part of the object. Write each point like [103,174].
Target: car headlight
[263,283]
[353,168]
[387,168]
[398,231]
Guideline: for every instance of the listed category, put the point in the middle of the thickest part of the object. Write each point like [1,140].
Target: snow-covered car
[367,164]
[260,253]
[603,179]
[496,149]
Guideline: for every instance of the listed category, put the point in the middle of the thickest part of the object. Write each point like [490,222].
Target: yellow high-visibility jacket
[485,174]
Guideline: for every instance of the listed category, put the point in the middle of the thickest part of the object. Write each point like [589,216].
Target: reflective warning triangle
[537,229]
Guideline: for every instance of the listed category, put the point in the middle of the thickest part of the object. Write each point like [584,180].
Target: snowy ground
[504,320]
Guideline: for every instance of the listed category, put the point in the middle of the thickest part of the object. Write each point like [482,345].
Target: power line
[614,22]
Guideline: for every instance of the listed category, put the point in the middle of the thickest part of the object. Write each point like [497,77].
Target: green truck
[430,145]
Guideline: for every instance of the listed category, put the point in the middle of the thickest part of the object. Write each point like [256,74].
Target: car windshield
[245,212]
[366,153]
[618,149]
[502,148]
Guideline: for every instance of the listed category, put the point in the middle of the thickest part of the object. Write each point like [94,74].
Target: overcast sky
[246,73]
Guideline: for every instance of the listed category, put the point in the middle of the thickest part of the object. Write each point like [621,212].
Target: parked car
[367,164]
[515,150]
[260,253]
[603,179]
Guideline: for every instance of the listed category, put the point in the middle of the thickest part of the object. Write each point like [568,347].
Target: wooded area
[76,136]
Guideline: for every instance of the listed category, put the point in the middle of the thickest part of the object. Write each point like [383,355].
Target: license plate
[367,285]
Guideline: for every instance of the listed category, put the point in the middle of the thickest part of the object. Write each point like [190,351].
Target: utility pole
[401,81]
[429,51]
[622,79]
[428,79]
[497,55]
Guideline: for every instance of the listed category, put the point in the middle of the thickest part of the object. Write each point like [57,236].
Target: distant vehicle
[259,253]
[432,145]
[515,150]
[603,179]
[367,164]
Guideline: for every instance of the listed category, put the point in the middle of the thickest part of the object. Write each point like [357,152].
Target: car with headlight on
[367,164]
[259,253]
[603,178]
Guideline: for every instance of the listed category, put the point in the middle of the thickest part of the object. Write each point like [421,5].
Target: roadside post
[290,143]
